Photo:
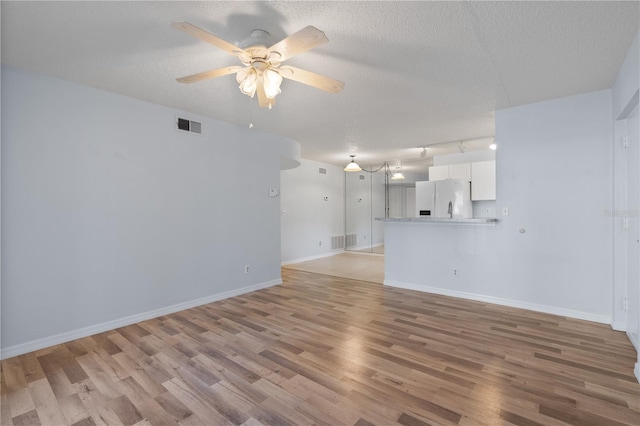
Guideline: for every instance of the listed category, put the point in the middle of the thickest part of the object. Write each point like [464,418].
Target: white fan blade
[209,74]
[203,35]
[312,79]
[306,39]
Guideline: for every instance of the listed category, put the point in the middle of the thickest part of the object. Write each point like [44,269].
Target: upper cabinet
[438,172]
[453,171]
[460,171]
[483,180]
[482,175]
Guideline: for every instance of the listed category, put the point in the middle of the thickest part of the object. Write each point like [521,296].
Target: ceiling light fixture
[353,166]
[262,72]
[397,175]
[258,74]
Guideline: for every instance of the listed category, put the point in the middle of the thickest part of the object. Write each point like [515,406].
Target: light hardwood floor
[326,350]
[354,265]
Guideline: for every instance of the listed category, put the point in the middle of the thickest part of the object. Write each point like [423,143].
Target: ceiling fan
[262,72]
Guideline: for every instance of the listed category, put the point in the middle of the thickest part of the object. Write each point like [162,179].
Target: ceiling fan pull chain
[251,112]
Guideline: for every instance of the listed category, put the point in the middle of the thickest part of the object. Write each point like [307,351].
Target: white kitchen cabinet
[483,180]
[453,171]
[438,172]
[460,171]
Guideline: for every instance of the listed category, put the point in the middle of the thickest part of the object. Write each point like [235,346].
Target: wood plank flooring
[354,265]
[332,351]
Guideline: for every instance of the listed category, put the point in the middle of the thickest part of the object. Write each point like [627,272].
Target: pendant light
[397,175]
[352,166]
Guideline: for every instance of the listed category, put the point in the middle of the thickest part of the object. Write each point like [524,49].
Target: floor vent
[190,126]
[322,171]
[352,240]
[337,242]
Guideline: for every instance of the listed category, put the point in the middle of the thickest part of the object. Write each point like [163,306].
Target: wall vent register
[187,125]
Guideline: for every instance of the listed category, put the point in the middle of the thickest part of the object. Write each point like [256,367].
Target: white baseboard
[363,247]
[636,371]
[68,336]
[634,342]
[305,259]
[619,325]
[504,302]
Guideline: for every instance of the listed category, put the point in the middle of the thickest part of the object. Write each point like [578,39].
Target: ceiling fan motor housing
[258,38]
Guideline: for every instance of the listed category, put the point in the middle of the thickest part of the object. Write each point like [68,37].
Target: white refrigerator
[450,198]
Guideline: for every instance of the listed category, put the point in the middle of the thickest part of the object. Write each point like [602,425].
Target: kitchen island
[426,219]
[466,258]
[455,257]
[440,255]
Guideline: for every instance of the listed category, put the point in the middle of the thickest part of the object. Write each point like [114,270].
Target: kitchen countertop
[475,220]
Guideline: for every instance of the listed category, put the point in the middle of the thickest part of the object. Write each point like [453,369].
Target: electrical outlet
[247,268]
[625,304]
[454,271]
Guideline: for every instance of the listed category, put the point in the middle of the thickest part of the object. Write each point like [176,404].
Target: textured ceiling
[415,73]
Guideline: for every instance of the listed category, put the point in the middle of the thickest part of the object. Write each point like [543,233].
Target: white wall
[626,84]
[465,157]
[308,220]
[554,171]
[110,214]
[554,174]
[626,198]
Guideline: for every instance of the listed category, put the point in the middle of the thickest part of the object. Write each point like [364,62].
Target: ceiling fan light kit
[262,73]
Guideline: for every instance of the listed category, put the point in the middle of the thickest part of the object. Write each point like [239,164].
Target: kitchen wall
[465,157]
[553,251]
[111,216]
[308,219]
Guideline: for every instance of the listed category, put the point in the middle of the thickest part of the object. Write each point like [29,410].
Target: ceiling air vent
[187,125]
[361,177]
[322,171]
